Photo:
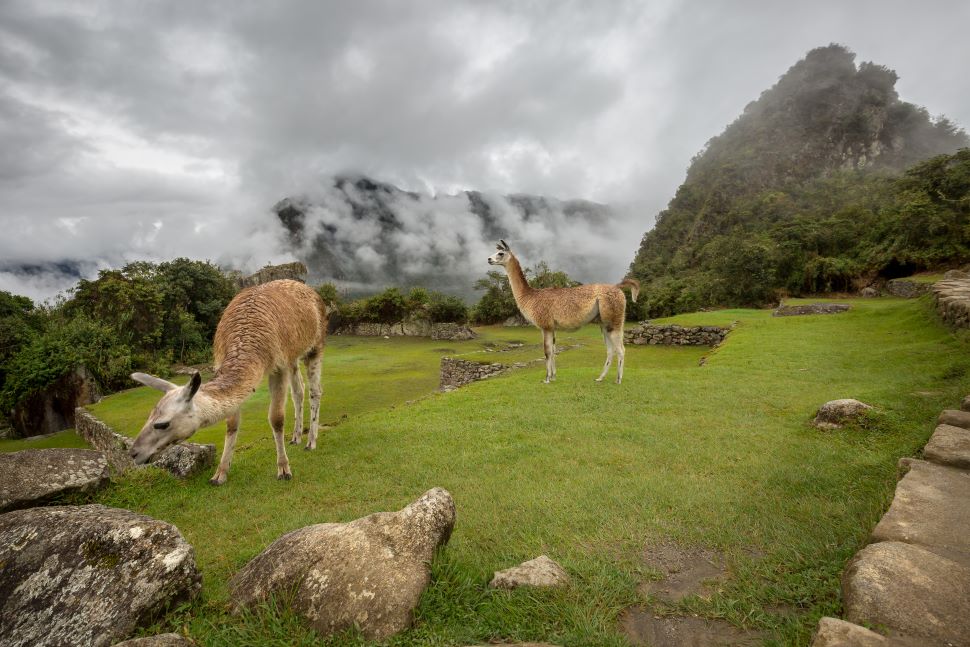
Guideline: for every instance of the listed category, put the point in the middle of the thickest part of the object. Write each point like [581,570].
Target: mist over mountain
[364,235]
[806,192]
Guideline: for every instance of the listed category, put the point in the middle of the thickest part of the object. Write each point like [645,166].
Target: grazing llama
[568,309]
[265,330]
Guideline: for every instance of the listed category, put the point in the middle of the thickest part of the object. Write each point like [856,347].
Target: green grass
[719,455]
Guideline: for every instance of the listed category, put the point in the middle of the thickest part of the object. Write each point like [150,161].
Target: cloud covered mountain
[364,235]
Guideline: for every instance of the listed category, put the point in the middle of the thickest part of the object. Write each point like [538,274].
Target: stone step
[931,509]
[955,417]
[949,446]
[910,591]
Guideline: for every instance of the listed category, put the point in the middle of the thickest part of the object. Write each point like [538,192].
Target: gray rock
[931,509]
[949,445]
[835,413]
[909,590]
[185,459]
[87,575]
[369,573]
[955,418]
[541,571]
[810,309]
[32,476]
[833,632]
[869,292]
[161,640]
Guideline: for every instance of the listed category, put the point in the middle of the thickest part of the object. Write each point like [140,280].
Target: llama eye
[161,425]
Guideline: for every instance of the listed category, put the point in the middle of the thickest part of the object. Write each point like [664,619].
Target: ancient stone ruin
[674,335]
[952,300]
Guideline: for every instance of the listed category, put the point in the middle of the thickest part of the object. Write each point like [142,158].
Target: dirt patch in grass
[642,627]
[685,571]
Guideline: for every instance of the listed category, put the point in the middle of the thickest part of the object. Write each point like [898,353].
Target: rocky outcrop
[32,476]
[810,309]
[952,300]
[539,572]
[52,409]
[455,372]
[835,413]
[674,335]
[907,289]
[87,575]
[369,573]
[181,460]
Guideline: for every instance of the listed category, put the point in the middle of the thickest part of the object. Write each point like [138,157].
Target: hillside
[806,192]
[366,235]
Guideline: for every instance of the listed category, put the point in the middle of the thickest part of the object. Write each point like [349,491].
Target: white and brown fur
[265,330]
[569,308]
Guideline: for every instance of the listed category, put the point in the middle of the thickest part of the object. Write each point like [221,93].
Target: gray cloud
[151,130]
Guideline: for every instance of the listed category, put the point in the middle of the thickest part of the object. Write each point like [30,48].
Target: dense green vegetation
[823,184]
[720,456]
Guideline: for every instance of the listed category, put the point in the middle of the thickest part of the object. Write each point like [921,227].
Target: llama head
[502,256]
[173,419]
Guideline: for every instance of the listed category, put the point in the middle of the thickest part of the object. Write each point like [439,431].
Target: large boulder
[835,413]
[908,590]
[52,408]
[32,476]
[87,575]
[369,573]
[931,509]
[539,572]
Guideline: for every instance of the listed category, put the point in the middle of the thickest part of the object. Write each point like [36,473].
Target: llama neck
[224,394]
[520,287]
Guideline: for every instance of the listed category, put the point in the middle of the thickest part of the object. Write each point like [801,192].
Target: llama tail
[634,286]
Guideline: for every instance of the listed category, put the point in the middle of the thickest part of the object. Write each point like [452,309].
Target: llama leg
[549,346]
[277,413]
[617,339]
[316,391]
[609,353]
[296,391]
[222,472]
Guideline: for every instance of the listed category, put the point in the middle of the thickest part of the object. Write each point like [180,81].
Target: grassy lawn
[720,456]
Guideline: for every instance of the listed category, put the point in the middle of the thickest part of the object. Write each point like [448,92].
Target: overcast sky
[160,129]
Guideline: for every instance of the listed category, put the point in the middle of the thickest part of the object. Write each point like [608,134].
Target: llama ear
[154,382]
[193,386]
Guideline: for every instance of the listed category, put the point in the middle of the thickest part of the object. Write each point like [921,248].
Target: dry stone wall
[674,335]
[952,299]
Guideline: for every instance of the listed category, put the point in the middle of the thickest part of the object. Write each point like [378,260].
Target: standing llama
[265,330]
[569,308]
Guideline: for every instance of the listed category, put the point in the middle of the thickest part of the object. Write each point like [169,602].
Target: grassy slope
[719,455]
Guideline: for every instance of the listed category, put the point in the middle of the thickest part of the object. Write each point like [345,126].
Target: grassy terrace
[720,456]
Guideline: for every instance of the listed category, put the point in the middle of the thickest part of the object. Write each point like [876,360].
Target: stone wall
[674,335]
[952,299]
[907,289]
[459,372]
[410,328]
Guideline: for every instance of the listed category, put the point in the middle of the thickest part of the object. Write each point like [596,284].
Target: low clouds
[140,130]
